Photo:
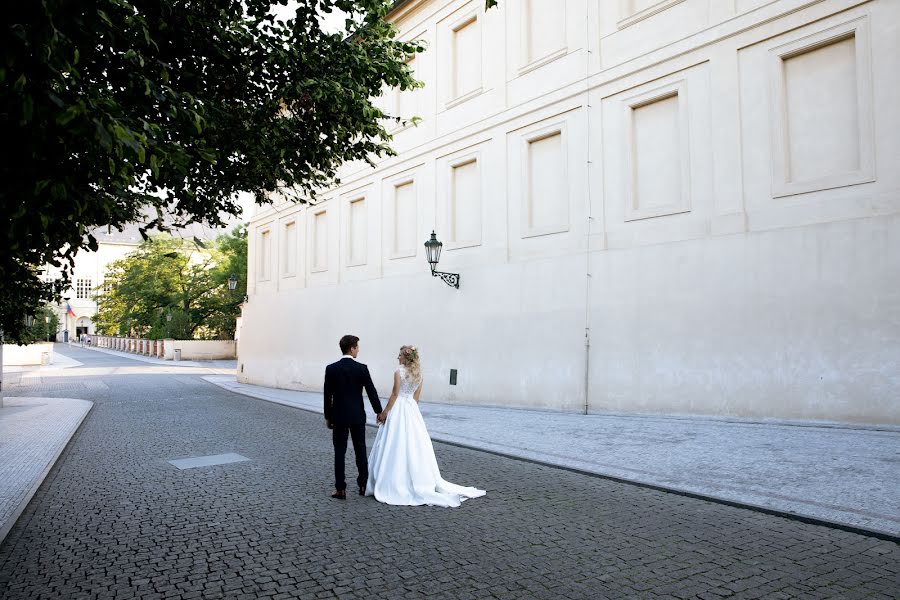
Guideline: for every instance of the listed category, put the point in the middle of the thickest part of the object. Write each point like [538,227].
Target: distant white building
[90,271]
[662,206]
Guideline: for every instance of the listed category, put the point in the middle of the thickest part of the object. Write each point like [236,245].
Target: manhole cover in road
[208,461]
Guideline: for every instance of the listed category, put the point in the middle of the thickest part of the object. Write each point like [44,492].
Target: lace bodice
[407,387]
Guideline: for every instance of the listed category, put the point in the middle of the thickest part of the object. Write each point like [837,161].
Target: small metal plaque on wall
[452,376]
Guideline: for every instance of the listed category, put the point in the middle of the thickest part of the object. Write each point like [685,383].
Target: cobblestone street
[115,520]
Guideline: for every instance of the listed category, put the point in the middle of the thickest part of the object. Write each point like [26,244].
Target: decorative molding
[461,99]
[315,265]
[640,15]
[674,89]
[349,203]
[528,63]
[468,17]
[285,250]
[264,258]
[446,167]
[782,185]
[544,61]
[395,183]
[540,133]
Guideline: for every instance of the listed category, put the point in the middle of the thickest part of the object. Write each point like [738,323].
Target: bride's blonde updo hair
[411,359]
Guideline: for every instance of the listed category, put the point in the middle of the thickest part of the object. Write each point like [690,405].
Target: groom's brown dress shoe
[339,494]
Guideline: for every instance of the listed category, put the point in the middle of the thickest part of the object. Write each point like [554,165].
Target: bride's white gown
[402,466]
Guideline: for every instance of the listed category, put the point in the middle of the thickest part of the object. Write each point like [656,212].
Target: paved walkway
[57,361]
[33,433]
[117,519]
[839,474]
[34,430]
[13,374]
[222,365]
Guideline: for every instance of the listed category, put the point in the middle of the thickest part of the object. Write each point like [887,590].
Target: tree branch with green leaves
[122,111]
[170,287]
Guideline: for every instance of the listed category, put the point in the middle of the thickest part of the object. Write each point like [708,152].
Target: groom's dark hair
[348,342]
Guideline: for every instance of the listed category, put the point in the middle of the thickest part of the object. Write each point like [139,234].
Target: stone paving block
[113,505]
[829,471]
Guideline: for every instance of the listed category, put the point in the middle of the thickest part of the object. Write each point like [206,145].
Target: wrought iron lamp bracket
[451,279]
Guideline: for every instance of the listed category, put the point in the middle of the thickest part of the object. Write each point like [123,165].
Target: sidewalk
[836,473]
[33,433]
[15,374]
[224,364]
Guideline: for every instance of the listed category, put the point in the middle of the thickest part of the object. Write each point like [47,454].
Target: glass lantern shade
[433,250]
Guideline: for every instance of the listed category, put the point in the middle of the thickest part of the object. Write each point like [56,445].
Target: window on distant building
[83,288]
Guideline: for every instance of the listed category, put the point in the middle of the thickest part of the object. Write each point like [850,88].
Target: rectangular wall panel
[545,28]
[265,254]
[405,227]
[466,58]
[465,203]
[636,6]
[289,249]
[320,241]
[358,232]
[822,111]
[656,160]
[547,198]
[406,100]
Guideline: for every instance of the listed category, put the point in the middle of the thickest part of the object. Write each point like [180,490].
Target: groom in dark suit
[346,414]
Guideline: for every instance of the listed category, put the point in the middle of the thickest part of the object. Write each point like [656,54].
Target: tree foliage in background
[168,276]
[42,328]
[118,111]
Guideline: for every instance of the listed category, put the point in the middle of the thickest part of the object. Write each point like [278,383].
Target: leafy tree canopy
[171,287]
[114,110]
[41,327]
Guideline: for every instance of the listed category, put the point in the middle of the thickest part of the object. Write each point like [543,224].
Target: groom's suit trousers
[358,435]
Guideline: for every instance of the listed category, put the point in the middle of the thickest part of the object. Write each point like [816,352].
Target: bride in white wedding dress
[402,466]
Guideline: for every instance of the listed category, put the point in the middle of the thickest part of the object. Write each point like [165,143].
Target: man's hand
[329,424]
[382,417]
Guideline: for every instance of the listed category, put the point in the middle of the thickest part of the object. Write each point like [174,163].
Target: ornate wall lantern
[433,254]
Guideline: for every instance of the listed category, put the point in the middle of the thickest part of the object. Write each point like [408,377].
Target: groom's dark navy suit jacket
[344,383]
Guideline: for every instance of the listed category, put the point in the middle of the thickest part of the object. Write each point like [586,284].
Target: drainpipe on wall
[587,362]
[590,221]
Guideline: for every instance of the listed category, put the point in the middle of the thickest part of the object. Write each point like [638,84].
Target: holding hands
[382,417]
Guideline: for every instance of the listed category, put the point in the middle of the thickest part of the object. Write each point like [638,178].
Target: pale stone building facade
[88,273]
[676,206]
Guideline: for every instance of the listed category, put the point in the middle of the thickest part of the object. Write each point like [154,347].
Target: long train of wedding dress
[402,467]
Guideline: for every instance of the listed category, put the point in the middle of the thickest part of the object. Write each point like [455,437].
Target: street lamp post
[433,254]
[168,324]
[66,326]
